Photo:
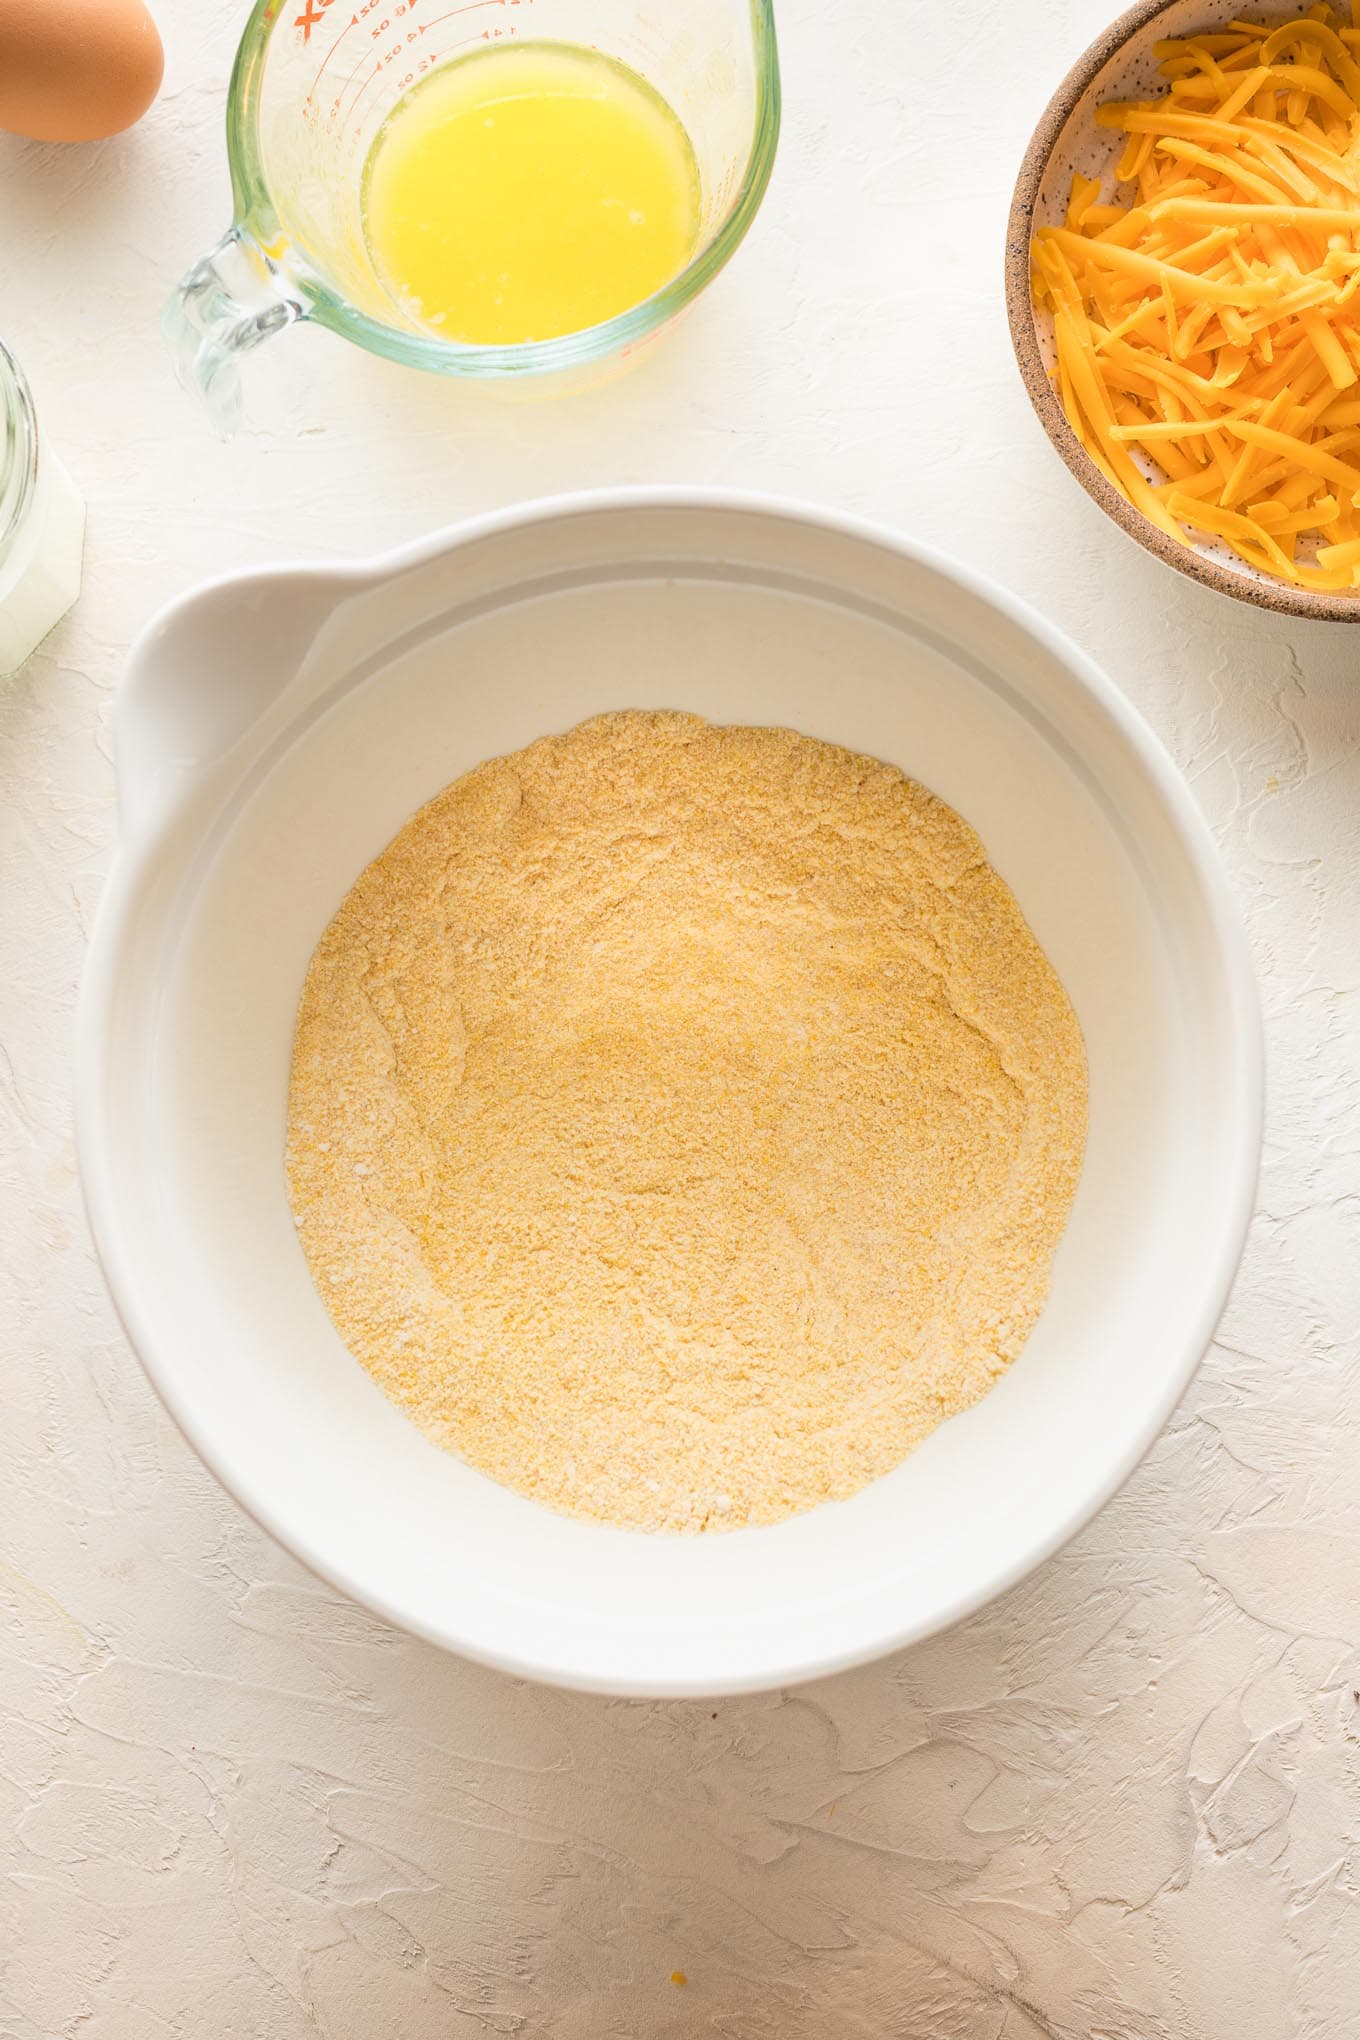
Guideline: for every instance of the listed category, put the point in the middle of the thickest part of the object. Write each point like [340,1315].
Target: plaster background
[1121,1804]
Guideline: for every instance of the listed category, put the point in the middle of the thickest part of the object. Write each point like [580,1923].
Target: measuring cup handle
[233,298]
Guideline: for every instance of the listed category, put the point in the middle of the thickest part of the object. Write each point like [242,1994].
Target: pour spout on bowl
[203,673]
[234,297]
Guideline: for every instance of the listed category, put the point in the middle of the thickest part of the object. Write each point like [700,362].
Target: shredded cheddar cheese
[1207,325]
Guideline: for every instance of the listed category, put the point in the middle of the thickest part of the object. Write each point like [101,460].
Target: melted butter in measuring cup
[526,192]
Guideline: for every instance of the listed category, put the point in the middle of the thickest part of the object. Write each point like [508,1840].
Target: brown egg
[74,70]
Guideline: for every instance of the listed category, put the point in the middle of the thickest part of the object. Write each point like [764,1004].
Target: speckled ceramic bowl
[1121,64]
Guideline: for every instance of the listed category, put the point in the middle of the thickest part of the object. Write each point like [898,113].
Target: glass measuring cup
[42,525]
[313,83]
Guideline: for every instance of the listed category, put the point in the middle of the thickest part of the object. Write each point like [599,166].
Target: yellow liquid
[529,191]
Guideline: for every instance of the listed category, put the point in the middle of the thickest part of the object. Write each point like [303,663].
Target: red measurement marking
[377,73]
[353,22]
[310,17]
[473,8]
[345,84]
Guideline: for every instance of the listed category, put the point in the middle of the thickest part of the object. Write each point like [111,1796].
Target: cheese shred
[1206,316]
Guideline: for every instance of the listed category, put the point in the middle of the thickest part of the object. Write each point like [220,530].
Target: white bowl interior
[474,653]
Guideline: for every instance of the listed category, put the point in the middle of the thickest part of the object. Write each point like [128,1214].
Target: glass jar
[42,525]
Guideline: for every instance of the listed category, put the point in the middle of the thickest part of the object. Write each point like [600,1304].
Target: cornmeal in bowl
[683,1120]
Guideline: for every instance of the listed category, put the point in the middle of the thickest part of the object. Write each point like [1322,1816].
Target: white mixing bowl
[273,732]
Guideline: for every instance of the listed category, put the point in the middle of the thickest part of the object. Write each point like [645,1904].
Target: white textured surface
[1122,1804]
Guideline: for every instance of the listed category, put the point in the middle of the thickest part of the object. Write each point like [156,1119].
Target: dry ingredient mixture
[683,1120]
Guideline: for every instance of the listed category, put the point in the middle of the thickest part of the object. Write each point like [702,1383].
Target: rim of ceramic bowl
[1276,596]
[257,215]
[138,860]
